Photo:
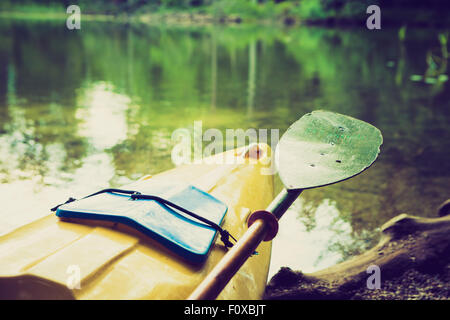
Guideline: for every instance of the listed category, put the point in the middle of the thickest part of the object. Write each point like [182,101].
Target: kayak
[54,258]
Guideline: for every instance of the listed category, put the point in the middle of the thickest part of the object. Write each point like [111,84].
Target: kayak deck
[54,259]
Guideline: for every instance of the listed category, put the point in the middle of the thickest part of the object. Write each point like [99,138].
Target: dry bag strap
[135,195]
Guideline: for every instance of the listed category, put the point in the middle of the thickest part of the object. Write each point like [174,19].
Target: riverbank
[411,285]
[232,12]
[411,262]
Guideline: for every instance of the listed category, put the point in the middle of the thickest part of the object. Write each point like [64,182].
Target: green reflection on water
[83,109]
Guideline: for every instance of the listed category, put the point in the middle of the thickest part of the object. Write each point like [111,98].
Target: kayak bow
[46,258]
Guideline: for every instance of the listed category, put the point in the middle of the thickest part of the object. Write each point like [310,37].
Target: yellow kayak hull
[54,259]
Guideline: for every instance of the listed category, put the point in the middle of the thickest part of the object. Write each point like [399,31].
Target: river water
[84,109]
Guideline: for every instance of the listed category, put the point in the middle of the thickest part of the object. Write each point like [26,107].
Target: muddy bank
[413,257]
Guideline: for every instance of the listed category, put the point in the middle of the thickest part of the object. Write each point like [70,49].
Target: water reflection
[101,114]
[82,110]
[319,240]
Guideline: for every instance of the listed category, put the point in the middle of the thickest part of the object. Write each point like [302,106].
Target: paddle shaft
[227,267]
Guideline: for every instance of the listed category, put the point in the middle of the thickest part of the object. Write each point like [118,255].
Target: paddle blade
[325,147]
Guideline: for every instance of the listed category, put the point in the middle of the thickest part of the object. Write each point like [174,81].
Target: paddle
[319,149]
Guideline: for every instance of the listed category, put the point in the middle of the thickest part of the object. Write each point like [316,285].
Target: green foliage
[312,9]
[243,8]
[399,11]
